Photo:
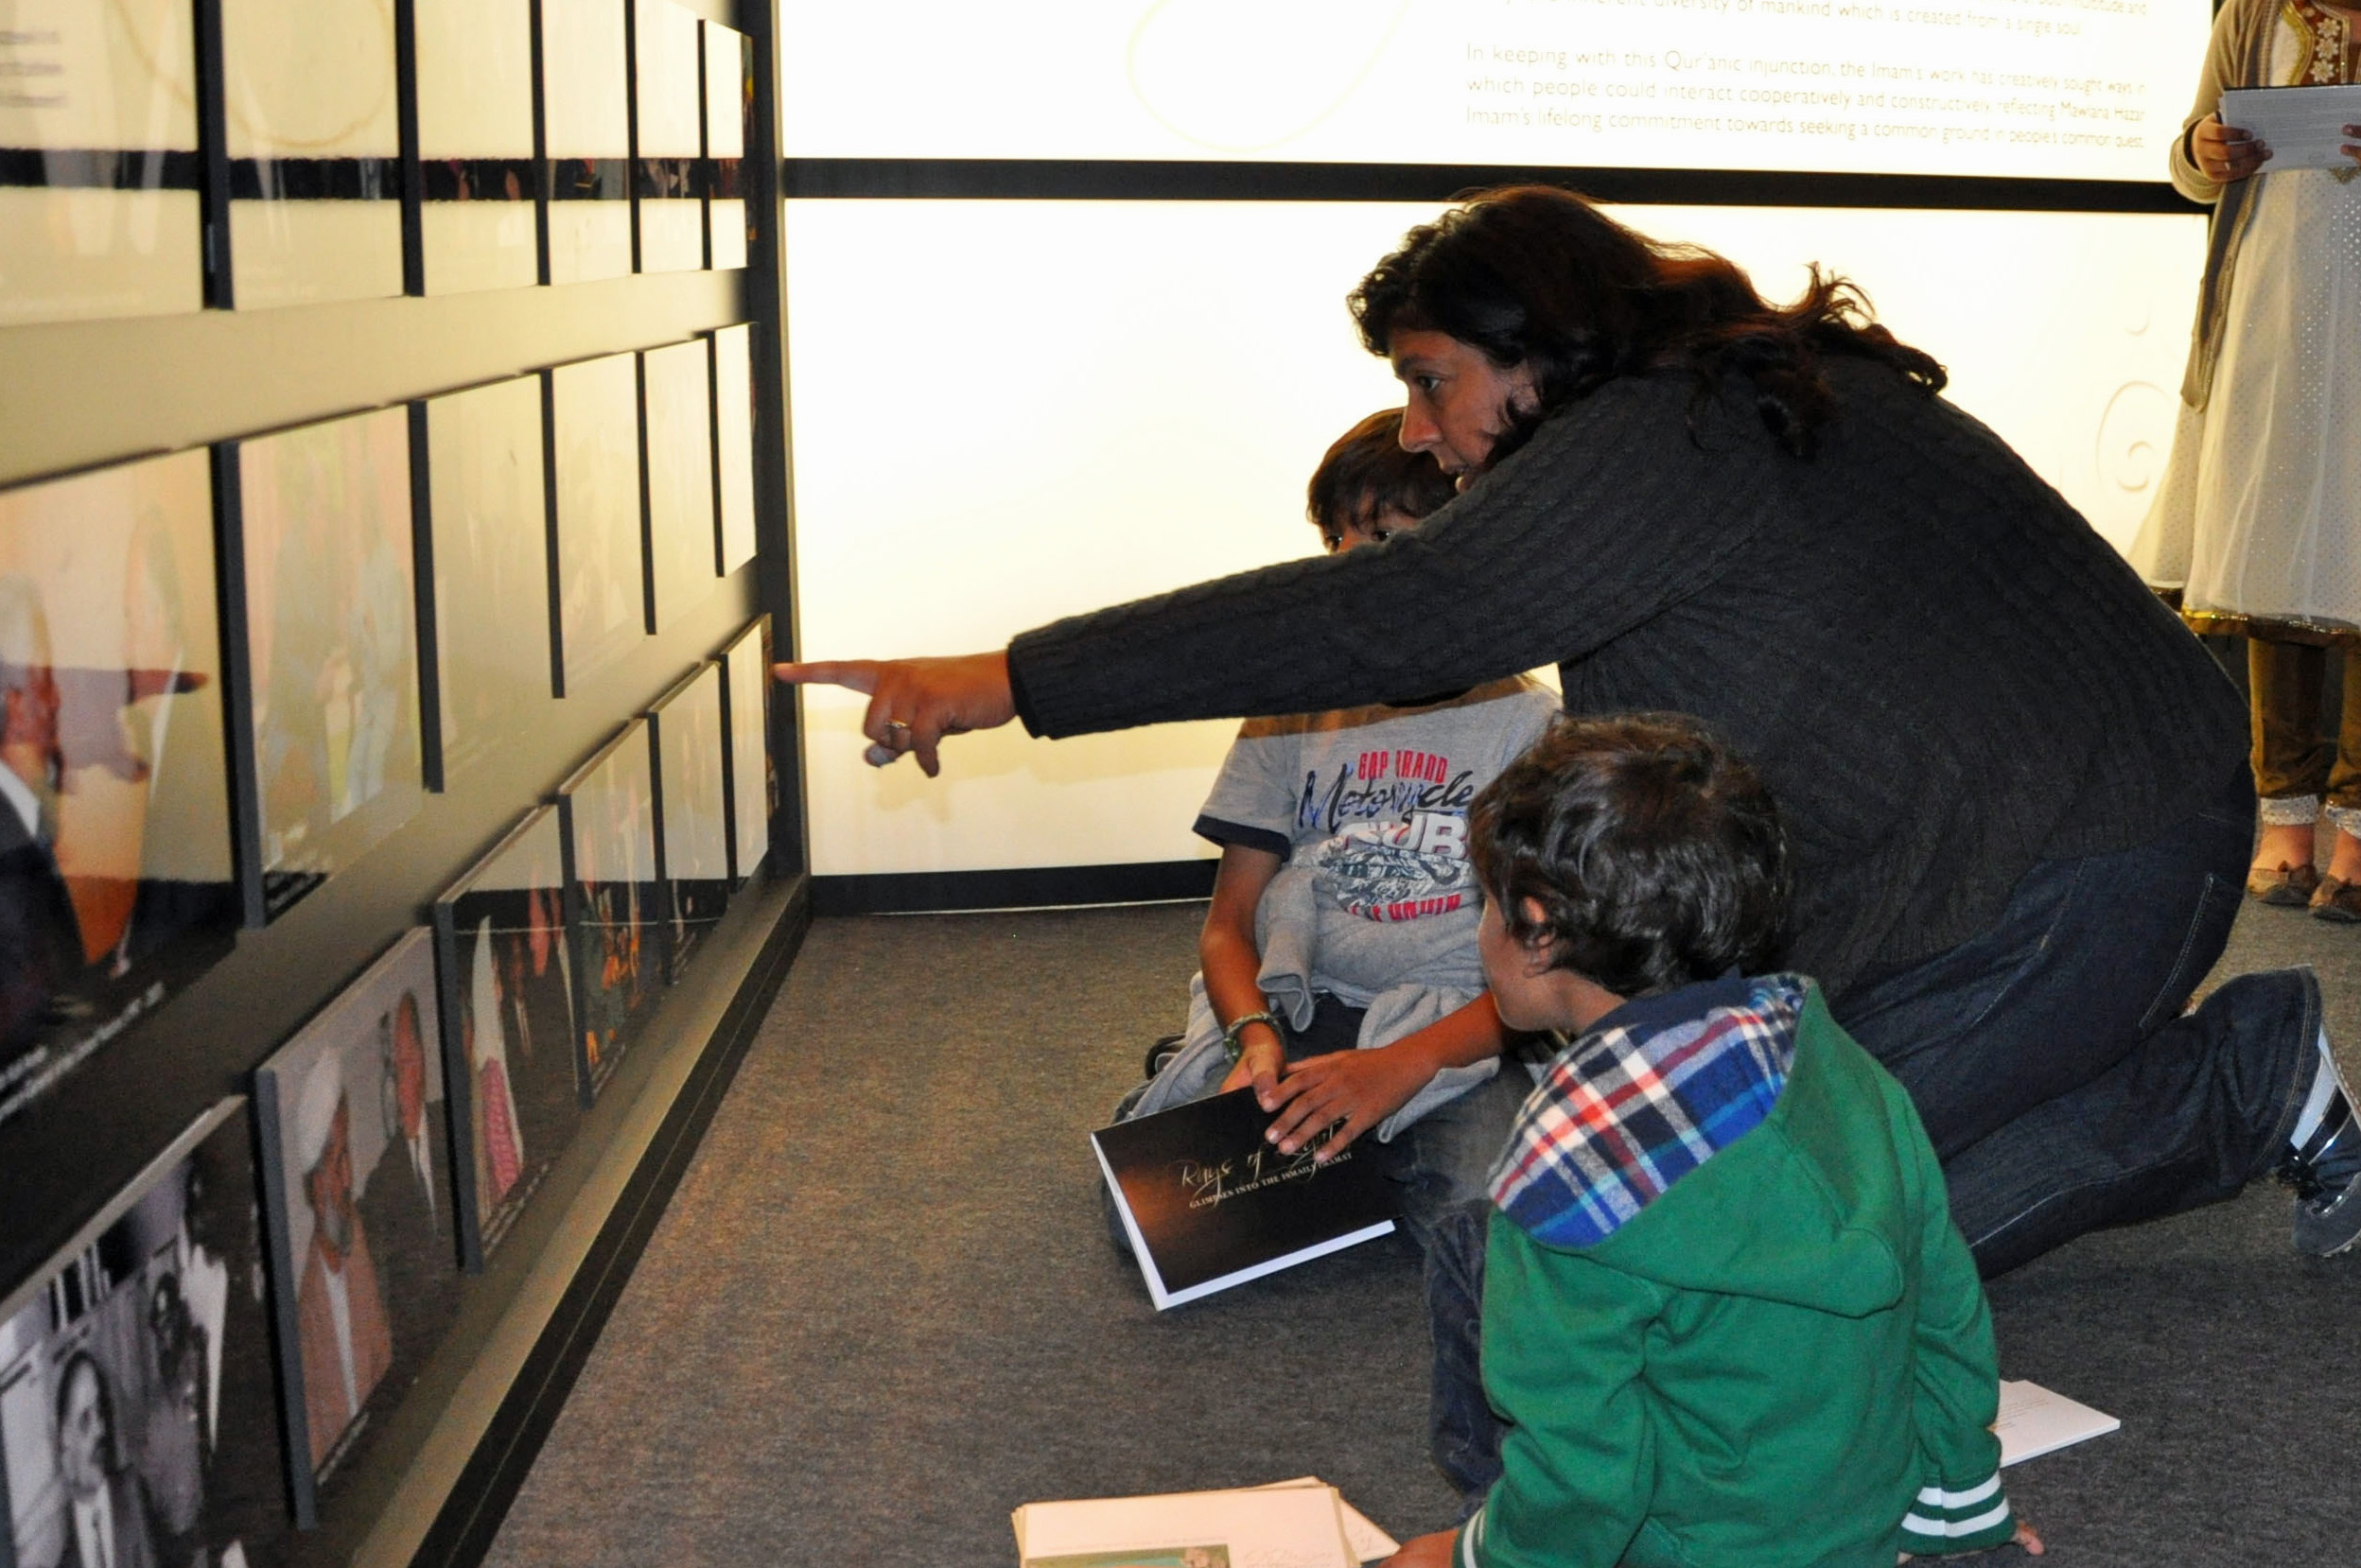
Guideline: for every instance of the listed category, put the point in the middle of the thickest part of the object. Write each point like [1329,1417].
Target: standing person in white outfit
[2258,523]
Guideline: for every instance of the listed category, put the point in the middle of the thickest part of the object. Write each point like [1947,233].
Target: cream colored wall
[1010,411]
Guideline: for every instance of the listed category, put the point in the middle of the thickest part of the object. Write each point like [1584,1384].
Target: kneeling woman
[2016,785]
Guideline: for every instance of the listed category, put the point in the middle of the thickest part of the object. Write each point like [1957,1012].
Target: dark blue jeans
[2049,1058]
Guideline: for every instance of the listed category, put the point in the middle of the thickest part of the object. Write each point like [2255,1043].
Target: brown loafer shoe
[2336,899]
[2291,887]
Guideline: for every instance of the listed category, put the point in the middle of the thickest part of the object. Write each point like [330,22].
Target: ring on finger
[897,733]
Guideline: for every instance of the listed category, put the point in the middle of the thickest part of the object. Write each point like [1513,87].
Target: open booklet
[2305,127]
[2034,1421]
[1302,1522]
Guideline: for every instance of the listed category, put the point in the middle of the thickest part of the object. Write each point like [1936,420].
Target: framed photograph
[508,1027]
[358,1209]
[693,766]
[315,169]
[594,424]
[116,881]
[729,100]
[585,119]
[478,223]
[331,643]
[670,129]
[619,913]
[98,196]
[733,448]
[746,666]
[677,423]
[488,515]
[136,1390]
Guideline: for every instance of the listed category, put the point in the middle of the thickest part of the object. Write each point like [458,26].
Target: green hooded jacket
[1785,1358]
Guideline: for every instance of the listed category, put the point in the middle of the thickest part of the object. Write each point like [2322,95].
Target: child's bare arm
[1361,1089]
[1233,965]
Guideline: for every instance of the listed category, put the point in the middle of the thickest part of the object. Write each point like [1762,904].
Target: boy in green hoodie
[1727,1321]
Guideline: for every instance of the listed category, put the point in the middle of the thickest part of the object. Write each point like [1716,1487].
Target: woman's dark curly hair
[1654,855]
[1537,276]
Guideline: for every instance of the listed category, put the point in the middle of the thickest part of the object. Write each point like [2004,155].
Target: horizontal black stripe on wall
[590,180]
[668,178]
[315,179]
[1149,180]
[477,178]
[111,168]
[1037,887]
[723,177]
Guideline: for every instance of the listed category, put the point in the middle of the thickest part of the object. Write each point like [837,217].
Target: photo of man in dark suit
[40,942]
[405,1201]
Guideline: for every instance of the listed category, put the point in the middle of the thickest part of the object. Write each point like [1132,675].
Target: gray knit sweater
[1943,673]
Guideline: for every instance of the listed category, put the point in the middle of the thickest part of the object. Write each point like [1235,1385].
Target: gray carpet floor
[881,1311]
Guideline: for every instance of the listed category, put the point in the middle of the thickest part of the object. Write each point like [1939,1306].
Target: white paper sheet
[1368,1542]
[1288,1526]
[2034,1421]
[2305,127]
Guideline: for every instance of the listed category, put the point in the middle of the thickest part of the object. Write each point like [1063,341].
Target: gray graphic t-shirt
[1367,808]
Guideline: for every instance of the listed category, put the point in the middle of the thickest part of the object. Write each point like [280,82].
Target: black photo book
[1208,1204]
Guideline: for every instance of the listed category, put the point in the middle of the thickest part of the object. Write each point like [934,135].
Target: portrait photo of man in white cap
[340,1310]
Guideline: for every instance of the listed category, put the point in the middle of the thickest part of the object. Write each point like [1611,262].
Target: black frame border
[1160,180]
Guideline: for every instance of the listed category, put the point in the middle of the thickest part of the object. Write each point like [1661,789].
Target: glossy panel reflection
[619,916]
[332,643]
[691,766]
[491,561]
[676,387]
[475,143]
[310,87]
[115,881]
[586,120]
[98,204]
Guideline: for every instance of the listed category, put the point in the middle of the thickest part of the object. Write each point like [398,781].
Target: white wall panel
[1008,411]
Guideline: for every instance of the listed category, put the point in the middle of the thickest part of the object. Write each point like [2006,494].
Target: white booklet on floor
[2034,1421]
[1302,1522]
[2305,127]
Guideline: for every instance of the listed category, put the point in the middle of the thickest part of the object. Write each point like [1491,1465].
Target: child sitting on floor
[1340,979]
[1725,1313]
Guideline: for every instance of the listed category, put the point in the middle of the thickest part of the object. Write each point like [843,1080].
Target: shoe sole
[2282,897]
[2336,913]
[2333,1231]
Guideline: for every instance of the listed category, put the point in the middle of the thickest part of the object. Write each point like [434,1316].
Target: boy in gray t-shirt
[1340,979]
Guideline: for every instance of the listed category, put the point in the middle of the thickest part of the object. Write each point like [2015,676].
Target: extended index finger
[855,674]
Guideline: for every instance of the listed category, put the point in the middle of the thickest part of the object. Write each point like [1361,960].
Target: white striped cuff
[1945,1518]
[1472,1538]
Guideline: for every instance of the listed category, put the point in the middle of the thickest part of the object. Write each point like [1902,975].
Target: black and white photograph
[99,205]
[587,122]
[676,385]
[728,95]
[620,913]
[116,887]
[314,147]
[477,219]
[733,446]
[508,1026]
[331,639]
[136,1388]
[491,563]
[753,783]
[359,1207]
[601,557]
[691,763]
[669,127]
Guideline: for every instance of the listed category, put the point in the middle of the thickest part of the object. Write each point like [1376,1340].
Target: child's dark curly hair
[1654,856]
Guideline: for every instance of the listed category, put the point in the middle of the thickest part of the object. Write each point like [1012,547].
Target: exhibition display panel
[386,437]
